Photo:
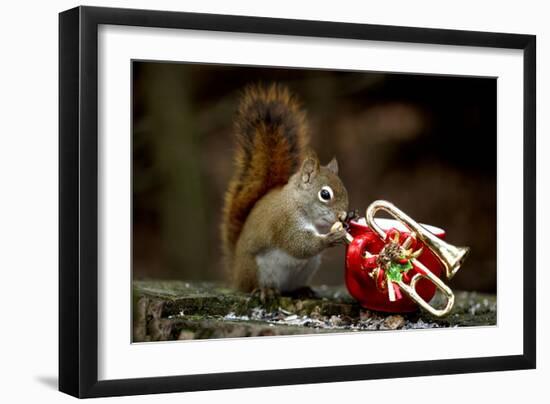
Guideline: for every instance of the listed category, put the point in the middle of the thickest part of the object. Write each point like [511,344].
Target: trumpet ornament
[396,265]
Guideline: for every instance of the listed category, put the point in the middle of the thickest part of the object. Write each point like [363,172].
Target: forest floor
[177,310]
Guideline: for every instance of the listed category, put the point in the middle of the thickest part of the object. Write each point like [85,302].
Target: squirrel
[280,203]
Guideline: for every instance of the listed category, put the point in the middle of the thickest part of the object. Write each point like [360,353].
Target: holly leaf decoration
[395,271]
[406,266]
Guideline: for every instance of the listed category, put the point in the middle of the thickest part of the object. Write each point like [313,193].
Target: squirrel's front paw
[337,235]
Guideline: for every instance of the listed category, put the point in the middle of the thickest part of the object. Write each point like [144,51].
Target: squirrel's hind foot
[266,296]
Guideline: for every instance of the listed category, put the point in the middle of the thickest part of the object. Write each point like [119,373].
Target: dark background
[426,143]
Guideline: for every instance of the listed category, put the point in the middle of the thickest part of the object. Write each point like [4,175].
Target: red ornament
[366,280]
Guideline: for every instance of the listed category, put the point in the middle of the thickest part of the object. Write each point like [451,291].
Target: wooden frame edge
[78,174]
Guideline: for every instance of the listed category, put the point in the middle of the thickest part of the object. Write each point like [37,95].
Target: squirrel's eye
[326,194]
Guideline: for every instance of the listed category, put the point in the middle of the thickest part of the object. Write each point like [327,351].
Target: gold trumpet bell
[452,257]
[449,255]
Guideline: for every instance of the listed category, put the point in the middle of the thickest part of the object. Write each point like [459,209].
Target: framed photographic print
[251,201]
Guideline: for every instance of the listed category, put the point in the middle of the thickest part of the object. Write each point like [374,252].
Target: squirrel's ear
[310,168]
[333,166]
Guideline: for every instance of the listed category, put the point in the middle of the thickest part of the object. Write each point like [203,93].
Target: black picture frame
[78,200]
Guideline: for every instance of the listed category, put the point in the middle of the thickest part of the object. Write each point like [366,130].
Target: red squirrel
[280,203]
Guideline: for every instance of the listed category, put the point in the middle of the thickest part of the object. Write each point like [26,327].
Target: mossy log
[170,310]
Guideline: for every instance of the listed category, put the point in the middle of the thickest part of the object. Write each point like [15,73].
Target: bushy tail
[271,140]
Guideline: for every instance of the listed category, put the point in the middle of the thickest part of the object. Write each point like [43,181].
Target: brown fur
[271,138]
[273,203]
[276,221]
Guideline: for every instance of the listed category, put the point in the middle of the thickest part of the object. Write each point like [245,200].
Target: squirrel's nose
[342,215]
